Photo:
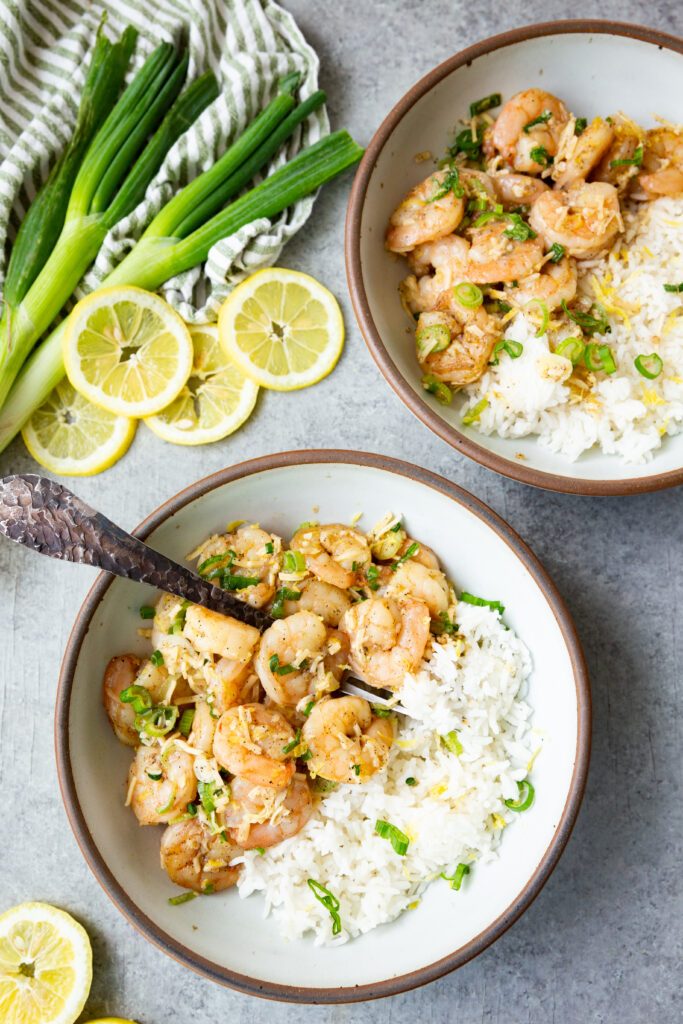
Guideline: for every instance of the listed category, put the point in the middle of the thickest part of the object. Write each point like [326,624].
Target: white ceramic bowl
[596,67]
[227,938]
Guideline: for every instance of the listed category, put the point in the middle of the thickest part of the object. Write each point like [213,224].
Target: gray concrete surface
[602,941]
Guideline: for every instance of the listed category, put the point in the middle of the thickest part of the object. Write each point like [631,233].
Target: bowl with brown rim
[227,938]
[622,67]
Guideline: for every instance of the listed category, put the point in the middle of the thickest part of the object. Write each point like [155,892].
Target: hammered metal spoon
[47,517]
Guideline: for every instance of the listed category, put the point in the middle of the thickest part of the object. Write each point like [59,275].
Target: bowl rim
[354,273]
[391,986]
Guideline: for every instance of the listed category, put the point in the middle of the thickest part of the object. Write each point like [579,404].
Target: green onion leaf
[473,414]
[169,803]
[541,119]
[526,797]
[356,769]
[410,781]
[635,161]
[157,659]
[434,338]
[571,348]
[138,696]
[185,723]
[436,387]
[277,610]
[496,606]
[232,582]
[594,322]
[214,561]
[545,316]
[146,611]
[487,103]
[456,879]
[192,810]
[260,850]
[293,561]
[468,143]
[206,795]
[444,625]
[184,897]
[329,901]
[155,776]
[158,721]
[541,155]
[557,251]
[269,547]
[451,183]
[398,839]
[580,125]
[520,230]
[410,552]
[607,359]
[468,295]
[452,743]
[309,707]
[292,743]
[284,670]
[178,623]
[649,366]
[207,888]
[379,711]
[673,287]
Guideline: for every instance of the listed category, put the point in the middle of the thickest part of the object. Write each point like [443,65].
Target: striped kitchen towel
[249,44]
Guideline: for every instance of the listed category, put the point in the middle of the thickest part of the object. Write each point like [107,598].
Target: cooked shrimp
[334,553]
[194,858]
[348,743]
[662,173]
[515,190]
[230,684]
[424,555]
[387,638]
[160,788]
[259,816]
[553,283]
[422,217]
[249,741]
[495,256]
[468,352]
[119,674]
[585,220]
[509,138]
[212,633]
[299,646]
[412,579]
[618,165]
[203,728]
[322,598]
[579,154]
[247,553]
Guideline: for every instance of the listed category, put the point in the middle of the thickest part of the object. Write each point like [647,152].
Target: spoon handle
[43,515]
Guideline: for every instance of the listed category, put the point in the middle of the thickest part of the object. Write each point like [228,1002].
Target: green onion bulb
[649,366]
[468,295]
[434,338]
[571,348]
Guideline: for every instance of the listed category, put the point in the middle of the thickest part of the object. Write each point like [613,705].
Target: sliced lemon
[216,399]
[282,328]
[111,1020]
[127,350]
[45,966]
[72,437]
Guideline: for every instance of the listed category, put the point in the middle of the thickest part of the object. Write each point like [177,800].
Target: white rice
[624,413]
[455,813]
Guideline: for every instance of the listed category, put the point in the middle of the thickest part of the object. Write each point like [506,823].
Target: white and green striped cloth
[45,47]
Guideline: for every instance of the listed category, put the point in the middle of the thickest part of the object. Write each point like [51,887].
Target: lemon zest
[414,904]
[530,762]
[498,821]
[650,396]
[436,791]
[405,744]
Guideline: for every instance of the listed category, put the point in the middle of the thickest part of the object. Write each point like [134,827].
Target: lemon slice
[45,966]
[127,350]
[111,1020]
[72,437]
[282,329]
[216,399]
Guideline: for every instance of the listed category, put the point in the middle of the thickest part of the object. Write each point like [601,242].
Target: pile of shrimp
[503,226]
[238,733]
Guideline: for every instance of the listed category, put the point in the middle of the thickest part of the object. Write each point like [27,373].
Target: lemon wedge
[214,402]
[72,437]
[45,966]
[283,329]
[127,351]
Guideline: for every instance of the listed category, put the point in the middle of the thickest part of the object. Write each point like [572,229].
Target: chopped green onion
[580,125]
[309,707]
[206,795]
[379,711]
[292,743]
[232,582]
[473,414]
[673,287]
[571,348]
[545,316]
[452,743]
[513,348]
[436,387]
[306,756]
[157,721]
[146,611]
[284,594]
[444,625]
[410,552]
[269,547]
[487,103]
[179,621]
[541,119]
[157,659]
[434,338]
[372,577]
[398,839]
[520,230]
[214,560]
[154,776]
[169,803]
[184,897]
[496,606]
[356,769]
[283,670]
[557,251]
[293,561]
[526,797]
[207,888]
[451,183]
[410,781]
[468,295]
[260,850]
[649,366]
[192,809]
[306,525]
[588,322]
[607,359]
[468,143]
[185,723]
[138,696]
[456,879]
[329,901]
[541,155]
[599,357]
[635,161]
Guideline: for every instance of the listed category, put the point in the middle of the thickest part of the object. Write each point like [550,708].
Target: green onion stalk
[177,240]
[126,152]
